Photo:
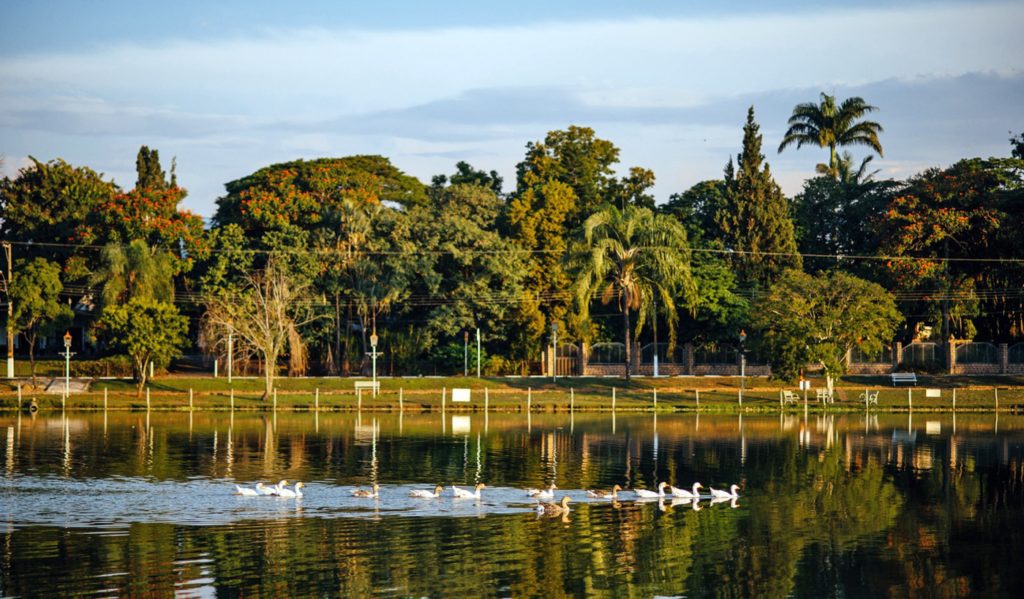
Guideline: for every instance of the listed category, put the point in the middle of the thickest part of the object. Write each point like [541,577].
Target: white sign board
[460,395]
[805,385]
[460,425]
[933,392]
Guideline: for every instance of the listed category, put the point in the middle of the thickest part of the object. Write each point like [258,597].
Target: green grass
[717,394]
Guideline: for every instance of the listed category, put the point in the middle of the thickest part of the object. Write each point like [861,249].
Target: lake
[137,504]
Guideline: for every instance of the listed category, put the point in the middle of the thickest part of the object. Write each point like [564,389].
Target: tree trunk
[337,334]
[346,368]
[141,369]
[269,366]
[32,357]
[629,354]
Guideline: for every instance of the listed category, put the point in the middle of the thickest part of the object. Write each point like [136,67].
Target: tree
[35,292]
[1017,144]
[134,271]
[301,193]
[635,257]
[148,331]
[466,174]
[150,212]
[834,217]
[754,217]
[53,202]
[150,173]
[828,125]
[577,158]
[266,315]
[939,226]
[479,273]
[805,319]
[697,208]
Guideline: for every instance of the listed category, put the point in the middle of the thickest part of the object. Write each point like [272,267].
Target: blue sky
[230,87]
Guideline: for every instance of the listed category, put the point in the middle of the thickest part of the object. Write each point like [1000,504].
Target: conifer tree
[754,218]
[147,166]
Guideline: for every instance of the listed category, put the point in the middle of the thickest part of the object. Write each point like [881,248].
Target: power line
[520,251]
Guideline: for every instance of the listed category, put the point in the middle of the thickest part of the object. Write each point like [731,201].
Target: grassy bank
[715,394]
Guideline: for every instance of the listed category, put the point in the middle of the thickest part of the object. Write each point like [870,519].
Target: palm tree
[133,271]
[633,256]
[831,126]
[844,171]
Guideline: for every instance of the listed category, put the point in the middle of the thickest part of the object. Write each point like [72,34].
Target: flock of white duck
[664,490]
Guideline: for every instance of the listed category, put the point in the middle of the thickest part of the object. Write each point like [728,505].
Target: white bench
[869,397]
[371,385]
[904,377]
[789,397]
[824,396]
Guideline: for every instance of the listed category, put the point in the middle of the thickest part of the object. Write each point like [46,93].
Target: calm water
[830,506]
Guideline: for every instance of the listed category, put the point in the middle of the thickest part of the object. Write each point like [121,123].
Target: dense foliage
[365,249]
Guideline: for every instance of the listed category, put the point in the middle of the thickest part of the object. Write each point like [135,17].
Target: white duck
[246,491]
[275,490]
[677,492]
[548,493]
[296,494]
[464,494]
[645,494]
[375,493]
[421,494]
[730,494]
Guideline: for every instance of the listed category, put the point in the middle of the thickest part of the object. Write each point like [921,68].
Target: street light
[67,364]
[373,358]
[743,362]
[465,353]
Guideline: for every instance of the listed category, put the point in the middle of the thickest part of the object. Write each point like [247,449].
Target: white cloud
[670,92]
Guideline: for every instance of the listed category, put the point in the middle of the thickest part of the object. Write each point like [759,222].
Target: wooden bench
[869,397]
[904,377]
[824,396]
[789,397]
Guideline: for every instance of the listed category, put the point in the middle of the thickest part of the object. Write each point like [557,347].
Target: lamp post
[10,313]
[743,362]
[478,352]
[67,364]
[373,359]
[231,348]
[554,352]
[655,337]
[465,353]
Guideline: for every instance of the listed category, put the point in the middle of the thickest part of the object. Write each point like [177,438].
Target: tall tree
[754,217]
[134,271]
[53,202]
[805,319]
[1017,145]
[147,331]
[35,293]
[479,274]
[634,257]
[266,315]
[938,228]
[577,158]
[150,175]
[302,193]
[827,125]
[834,217]
[466,174]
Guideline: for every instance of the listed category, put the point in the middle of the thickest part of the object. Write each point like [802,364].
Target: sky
[229,87]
